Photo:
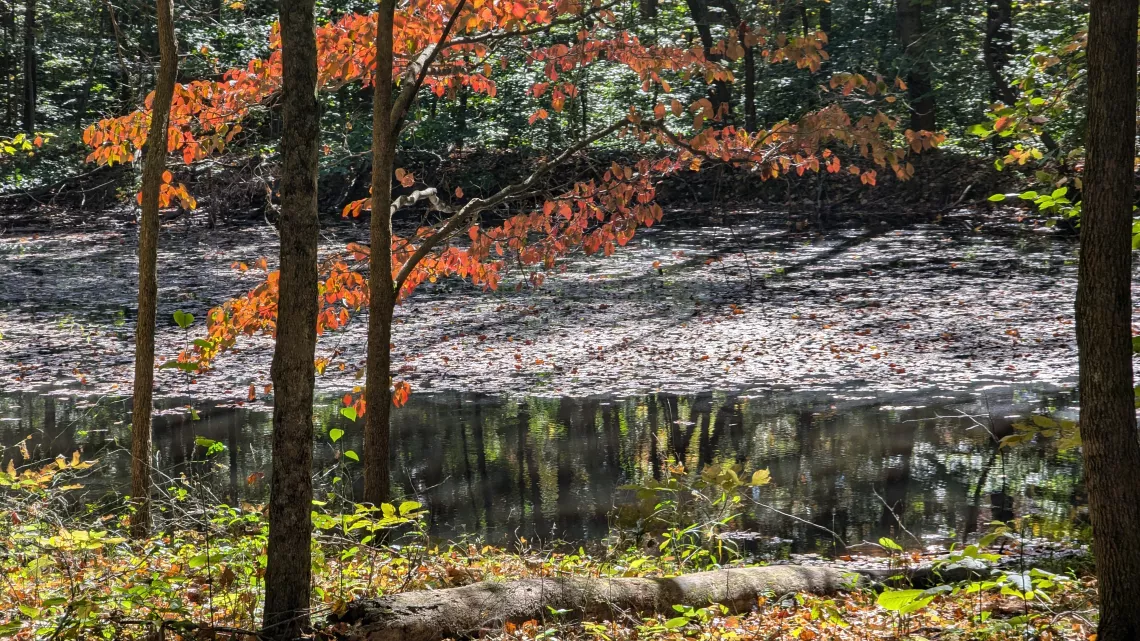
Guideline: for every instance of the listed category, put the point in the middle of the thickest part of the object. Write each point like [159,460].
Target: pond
[547,468]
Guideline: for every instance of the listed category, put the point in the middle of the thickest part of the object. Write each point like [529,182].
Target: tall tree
[154,166]
[920,90]
[382,293]
[1104,317]
[289,568]
[30,66]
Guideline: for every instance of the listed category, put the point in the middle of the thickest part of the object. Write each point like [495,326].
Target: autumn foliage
[594,215]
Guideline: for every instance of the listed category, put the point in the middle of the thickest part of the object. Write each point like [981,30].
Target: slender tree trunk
[378,394]
[8,20]
[750,88]
[825,17]
[461,118]
[124,79]
[30,66]
[289,567]
[719,94]
[1104,316]
[919,90]
[648,8]
[996,48]
[153,167]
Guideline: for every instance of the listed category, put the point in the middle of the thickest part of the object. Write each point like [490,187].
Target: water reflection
[548,467]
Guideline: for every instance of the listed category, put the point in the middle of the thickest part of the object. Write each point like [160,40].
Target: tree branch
[418,68]
[466,214]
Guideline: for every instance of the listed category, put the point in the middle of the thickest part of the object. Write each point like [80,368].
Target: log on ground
[463,611]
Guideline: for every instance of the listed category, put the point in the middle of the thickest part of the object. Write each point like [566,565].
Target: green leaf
[184,319]
[996,198]
[335,434]
[409,506]
[916,605]
[761,477]
[895,600]
[890,544]
[1028,195]
[676,622]
[198,561]
[978,130]
[1059,193]
[349,413]
[203,343]
[29,611]
[349,454]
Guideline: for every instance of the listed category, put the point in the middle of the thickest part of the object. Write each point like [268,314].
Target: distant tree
[914,39]
[30,66]
[1104,317]
[289,565]
[154,180]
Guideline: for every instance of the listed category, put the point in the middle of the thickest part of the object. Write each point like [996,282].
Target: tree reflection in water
[547,468]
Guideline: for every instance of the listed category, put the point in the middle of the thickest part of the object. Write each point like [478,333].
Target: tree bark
[289,567]
[919,88]
[30,66]
[382,295]
[154,166]
[1104,315]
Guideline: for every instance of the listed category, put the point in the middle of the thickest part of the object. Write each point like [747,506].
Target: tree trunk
[825,16]
[9,25]
[996,48]
[1104,315]
[288,571]
[153,167]
[30,66]
[918,77]
[719,94]
[378,393]
[750,89]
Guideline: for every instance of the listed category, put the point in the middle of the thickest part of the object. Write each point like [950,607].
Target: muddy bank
[731,301]
[238,188]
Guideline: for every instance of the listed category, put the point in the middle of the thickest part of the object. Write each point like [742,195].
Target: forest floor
[201,579]
[730,300]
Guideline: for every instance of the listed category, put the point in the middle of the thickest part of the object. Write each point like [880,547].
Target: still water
[546,468]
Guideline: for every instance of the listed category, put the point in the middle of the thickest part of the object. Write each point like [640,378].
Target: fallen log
[430,615]
[463,611]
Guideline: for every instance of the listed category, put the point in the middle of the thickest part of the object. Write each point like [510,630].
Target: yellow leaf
[761,477]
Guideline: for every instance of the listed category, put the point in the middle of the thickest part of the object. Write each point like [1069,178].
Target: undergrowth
[69,572]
